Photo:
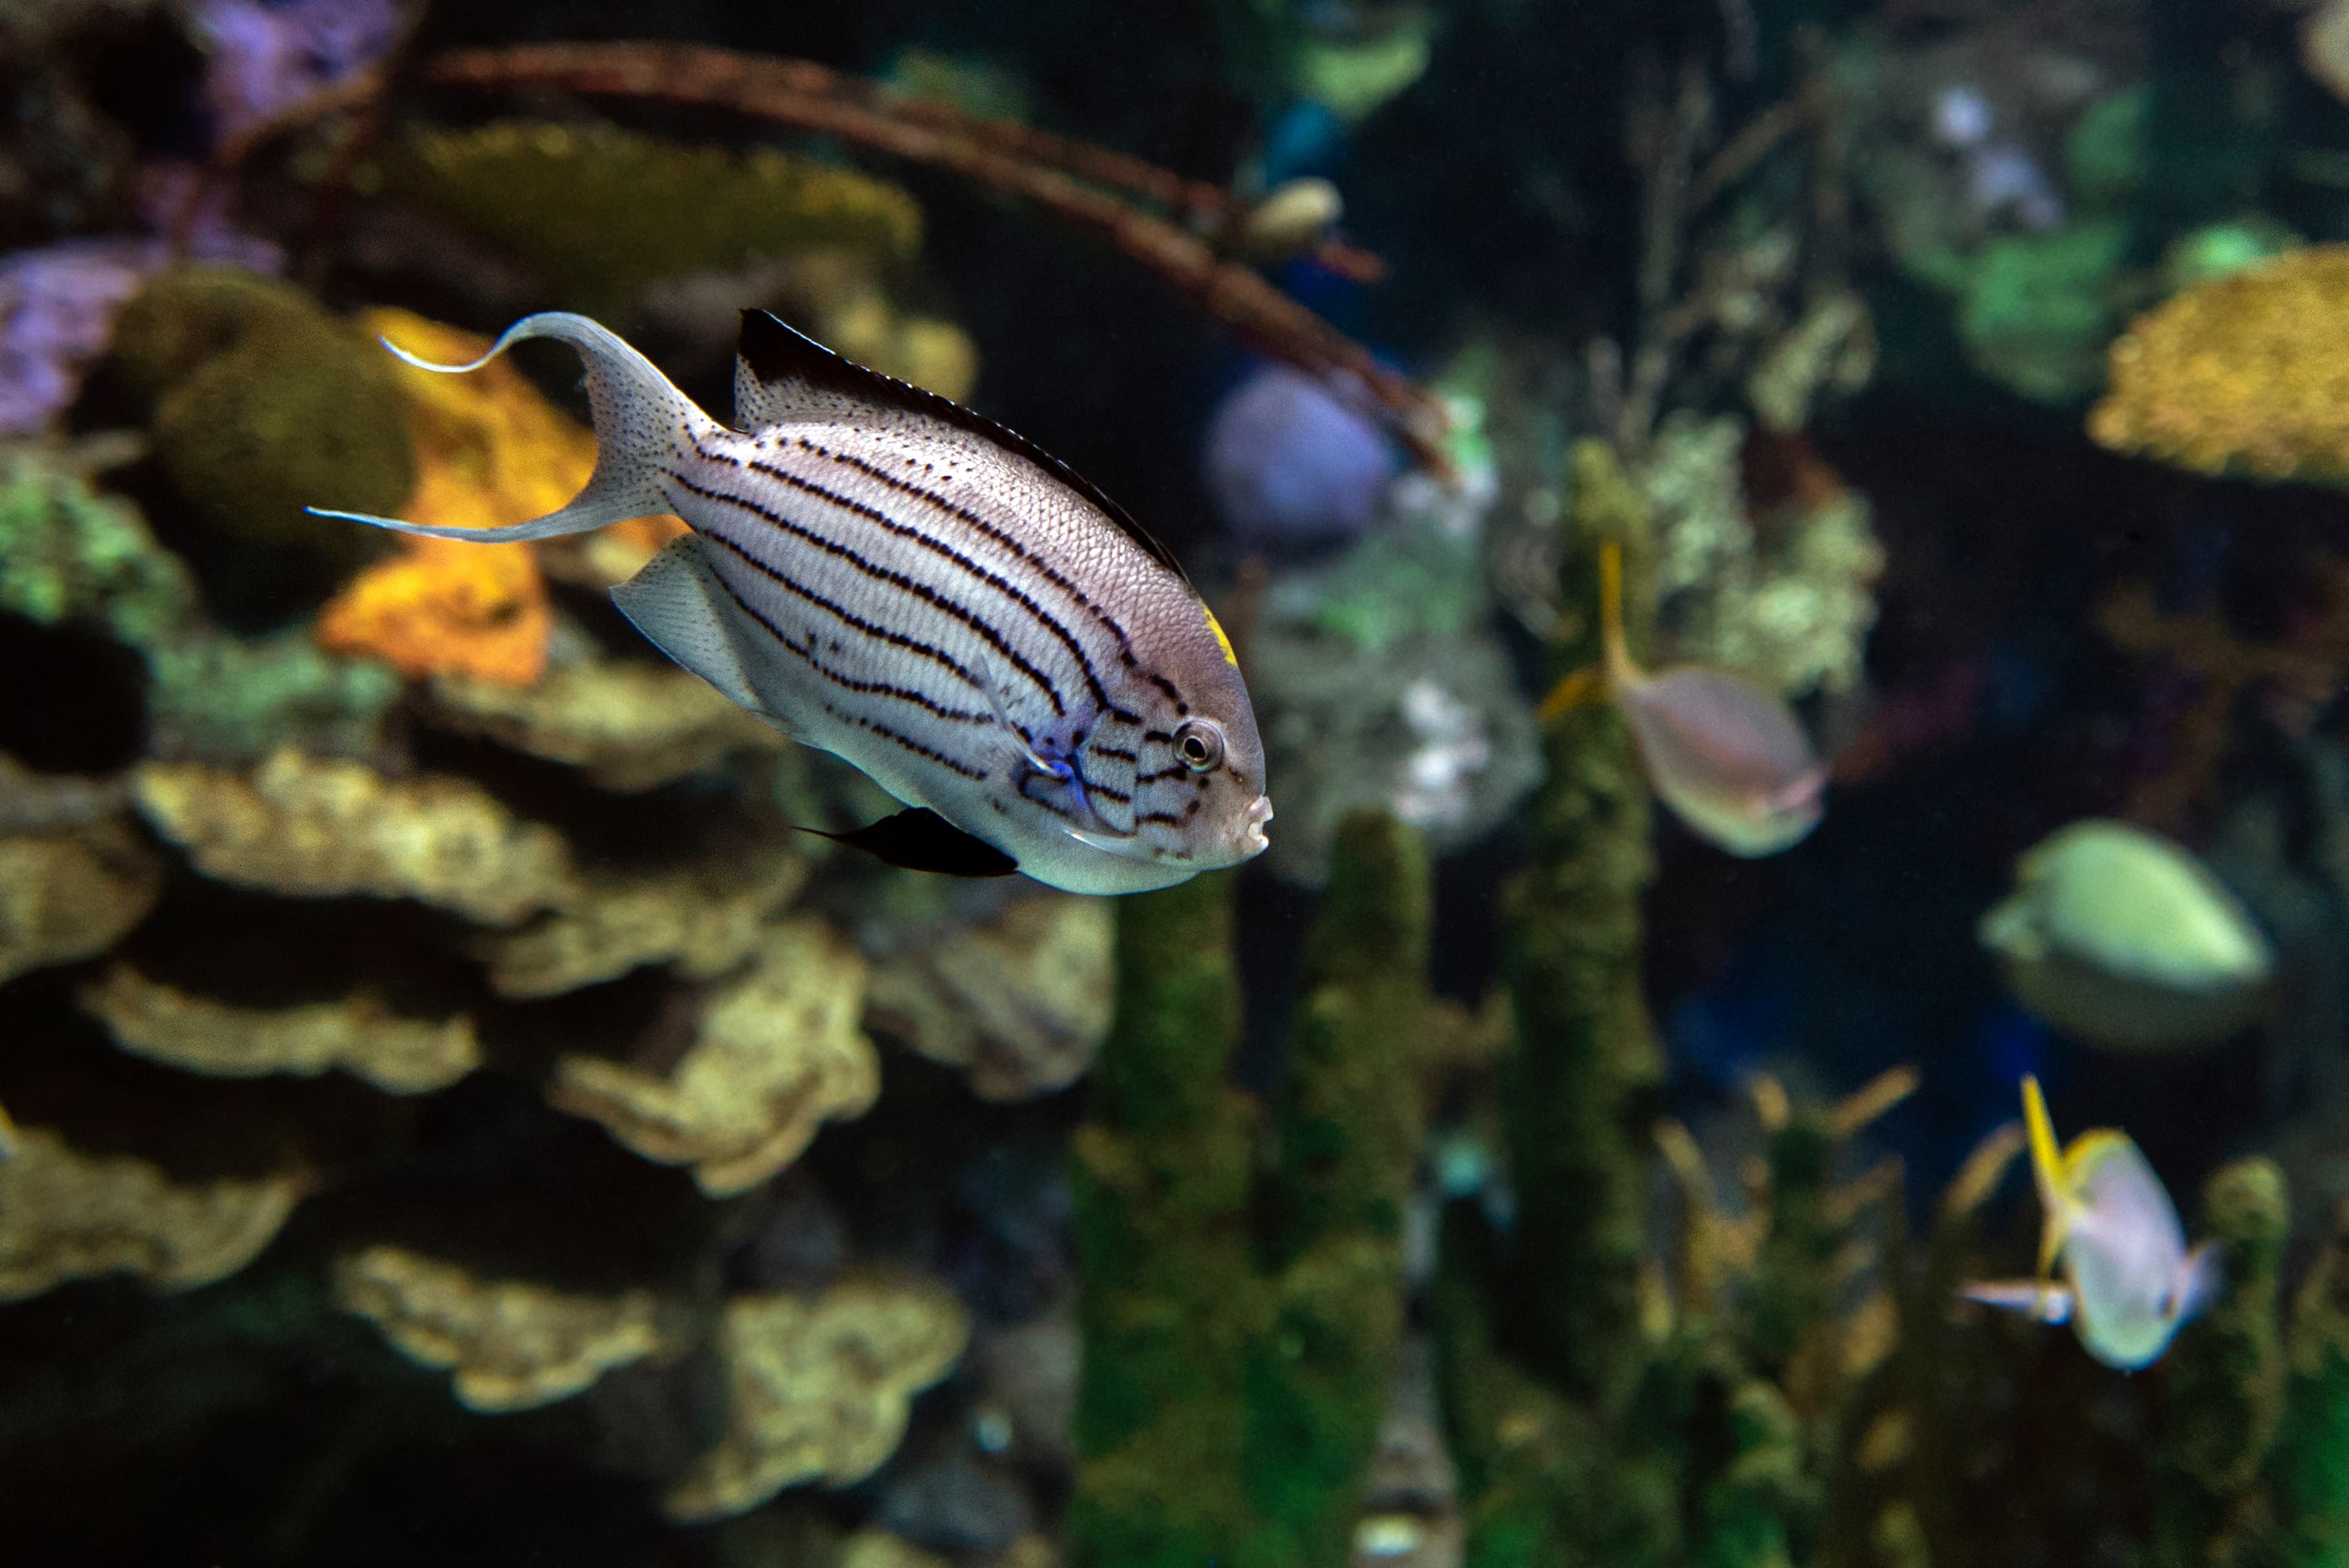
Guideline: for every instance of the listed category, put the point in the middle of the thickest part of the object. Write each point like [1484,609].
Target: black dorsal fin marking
[776,351]
[919,839]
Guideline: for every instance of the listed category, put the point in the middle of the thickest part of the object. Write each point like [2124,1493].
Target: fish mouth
[1251,834]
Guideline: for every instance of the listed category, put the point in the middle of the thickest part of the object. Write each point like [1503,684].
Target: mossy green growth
[2040,310]
[1242,1322]
[2224,1390]
[599,213]
[70,553]
[1579,1096]
[1318,1378]
[1161,1180]
[2105,157]
[263,404]
[2309,1460]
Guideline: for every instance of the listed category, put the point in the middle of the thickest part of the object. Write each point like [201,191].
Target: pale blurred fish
[886,575]
[2126,939]
[1726,757]
[2130,1280]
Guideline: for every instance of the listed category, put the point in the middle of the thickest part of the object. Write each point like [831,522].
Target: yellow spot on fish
[1221,640]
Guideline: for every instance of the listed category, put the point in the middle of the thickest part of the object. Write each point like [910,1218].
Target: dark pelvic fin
[921,840]
[775,352]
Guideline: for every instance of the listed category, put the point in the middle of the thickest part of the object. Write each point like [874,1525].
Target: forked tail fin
[642,423]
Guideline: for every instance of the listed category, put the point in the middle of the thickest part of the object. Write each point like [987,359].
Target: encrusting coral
[319,828]
[68,894]
[67,1215]
[1020,1002]
[605,211]
[819,1388]
[775,1054]
[704,919]
[2243,375]
[626,725]
[357,1034]
[509,1346]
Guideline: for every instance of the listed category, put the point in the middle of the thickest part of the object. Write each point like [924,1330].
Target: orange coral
[2247,375]
[488,450]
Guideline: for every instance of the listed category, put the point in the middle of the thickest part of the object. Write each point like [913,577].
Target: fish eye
[1199,744]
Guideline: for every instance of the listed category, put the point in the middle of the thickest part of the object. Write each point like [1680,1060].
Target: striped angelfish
[883,574]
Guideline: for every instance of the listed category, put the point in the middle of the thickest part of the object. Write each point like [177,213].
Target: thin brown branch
[233,152]
[1013,160]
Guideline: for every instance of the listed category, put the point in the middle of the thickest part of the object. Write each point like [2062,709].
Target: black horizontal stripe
[867,688]
[919,750]
[1176,772]
[896,579]
[945,551]
[1118,753]
[1003,536]
[847,617]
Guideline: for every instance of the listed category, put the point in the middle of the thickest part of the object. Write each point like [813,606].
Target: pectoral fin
[2037,1299]
[682,609]
[921,840]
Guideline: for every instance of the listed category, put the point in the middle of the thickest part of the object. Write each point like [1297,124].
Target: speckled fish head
[1198,792]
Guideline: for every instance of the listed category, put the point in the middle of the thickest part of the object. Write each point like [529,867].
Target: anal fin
[682,609]
[919,839]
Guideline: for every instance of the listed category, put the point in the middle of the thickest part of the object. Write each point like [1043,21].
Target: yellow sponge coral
[2248,375]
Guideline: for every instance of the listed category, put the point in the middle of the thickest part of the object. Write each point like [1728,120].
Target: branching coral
[775,1056]
[1022,1002]
[67,1215]
[2245,375]
[510,1345]
[321,828]
[403,1055]
[68,894]
[819,1389]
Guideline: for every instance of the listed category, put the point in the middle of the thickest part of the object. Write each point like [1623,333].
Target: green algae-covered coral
[1222,1301]
[263,405]
[69,553]
[602,212]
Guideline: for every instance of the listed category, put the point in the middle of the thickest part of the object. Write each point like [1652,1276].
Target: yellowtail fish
[2130,1281]
[2126,939]
[886,575]
[1726,757]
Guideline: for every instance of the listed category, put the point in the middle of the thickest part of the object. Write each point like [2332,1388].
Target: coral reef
[819,1388]
[67,1214]
[774,1055]
[2239,376]
[358,1034]
[1022,1002]
[509,1345]
[704,919]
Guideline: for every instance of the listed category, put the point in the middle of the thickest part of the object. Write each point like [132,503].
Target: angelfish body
[2129,1282]
[1724,756]
[887,577]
